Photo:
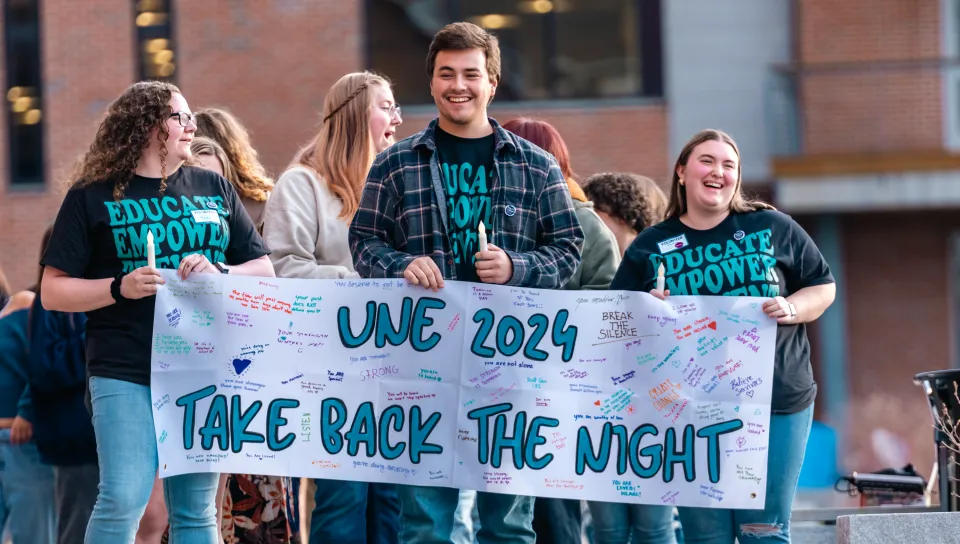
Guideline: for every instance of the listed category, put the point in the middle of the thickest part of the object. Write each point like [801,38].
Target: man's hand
[423,271]
[21,432]
[494,265]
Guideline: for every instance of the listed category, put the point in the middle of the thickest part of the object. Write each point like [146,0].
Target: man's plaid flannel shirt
[403,213]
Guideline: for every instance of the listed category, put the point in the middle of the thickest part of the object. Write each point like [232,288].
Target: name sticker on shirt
[205,216]
[673,244]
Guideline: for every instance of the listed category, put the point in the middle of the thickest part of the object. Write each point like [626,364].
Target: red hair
[544,136]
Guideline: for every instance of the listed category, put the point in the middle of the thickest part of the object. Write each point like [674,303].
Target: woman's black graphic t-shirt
[757,254]
[96,237]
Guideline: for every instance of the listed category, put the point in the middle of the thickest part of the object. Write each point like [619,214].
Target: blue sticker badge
[510,210]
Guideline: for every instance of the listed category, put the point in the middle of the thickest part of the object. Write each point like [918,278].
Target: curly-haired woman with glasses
[133,181]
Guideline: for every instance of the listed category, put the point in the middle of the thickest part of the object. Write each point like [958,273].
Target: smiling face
[384,117]
[179,137]
[461,87]
[710,177]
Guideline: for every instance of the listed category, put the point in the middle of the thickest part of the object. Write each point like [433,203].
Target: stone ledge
[934,528]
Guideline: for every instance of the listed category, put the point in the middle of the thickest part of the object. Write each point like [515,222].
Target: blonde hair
[202,145]
[343,151]
[678,193]
[248,177]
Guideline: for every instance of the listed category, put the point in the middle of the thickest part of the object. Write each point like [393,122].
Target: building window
[24,105]
[155,39]
[550,49]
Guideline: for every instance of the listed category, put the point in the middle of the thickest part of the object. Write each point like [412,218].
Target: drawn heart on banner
[239,365]
[596,403]
[736,409]
[750,394]
[713,325]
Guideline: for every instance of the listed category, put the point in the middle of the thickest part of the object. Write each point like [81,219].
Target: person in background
[134,177]
[246,174]
[561,520]
[306,226]
[27,506]
[62,428]
[709,214]
[627,203]
[240,496]
[601,256]
[417,220]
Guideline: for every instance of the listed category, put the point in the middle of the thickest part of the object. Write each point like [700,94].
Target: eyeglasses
[391,110]
[184,118]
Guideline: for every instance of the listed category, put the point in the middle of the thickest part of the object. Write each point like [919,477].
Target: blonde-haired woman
[306,226]
[242,166]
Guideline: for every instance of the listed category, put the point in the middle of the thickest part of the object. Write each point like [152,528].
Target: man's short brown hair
[462,36]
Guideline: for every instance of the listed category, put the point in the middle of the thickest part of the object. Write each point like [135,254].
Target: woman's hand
[195,263]
[140,283]
[780,309]
[662,295]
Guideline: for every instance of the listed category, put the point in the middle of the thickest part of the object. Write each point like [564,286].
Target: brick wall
[270,63]
[87,59]
[854,104]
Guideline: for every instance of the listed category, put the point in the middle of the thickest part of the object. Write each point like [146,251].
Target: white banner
[601,395]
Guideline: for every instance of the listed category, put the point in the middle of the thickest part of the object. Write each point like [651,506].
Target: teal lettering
[654,452]
[466,170]
[712,434]
[585,453]
[240,421]
[534,439]
[188,206]
[216,425]
[713,253]
[770,264]
[748,241]
[113,210]
[169,206]
[733,250]
[364,429]
[385,331]
[756,268]
[391,414]
[347,338]
[420,433]
[151,214]
[196,232]
[674,263]
[421,321]
[479,182]
[275,420]
[189,404]
[688,255]
[685,456]
[333,416]
[175,236]
[713,276]
[119,240]
[764,237]
[483,415]
[733,268]
[132,210]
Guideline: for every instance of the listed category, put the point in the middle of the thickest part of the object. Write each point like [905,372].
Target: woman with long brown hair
[132,181]
[242,166]
[715,241]
[306,227]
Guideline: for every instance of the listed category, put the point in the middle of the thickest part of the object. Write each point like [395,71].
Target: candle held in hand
[482,236]
[151,253]
[660,279]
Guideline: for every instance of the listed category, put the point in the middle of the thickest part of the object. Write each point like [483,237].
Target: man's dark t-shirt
[97,237]
[758,254]
[466,165]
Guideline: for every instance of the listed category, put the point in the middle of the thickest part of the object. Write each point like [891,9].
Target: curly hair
[637,200]
[250,178]
[125,133]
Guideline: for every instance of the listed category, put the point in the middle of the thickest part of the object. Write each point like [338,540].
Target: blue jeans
[427,514]
[127,450]
[27,505]
[650,524]
[788,440]
[355,513]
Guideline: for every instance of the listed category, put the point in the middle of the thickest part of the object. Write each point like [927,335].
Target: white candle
[660,279]
[482,236]
[151,254]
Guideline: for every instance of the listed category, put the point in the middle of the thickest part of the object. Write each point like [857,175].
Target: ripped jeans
[788,440]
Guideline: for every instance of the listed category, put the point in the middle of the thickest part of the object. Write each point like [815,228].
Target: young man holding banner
[419,216]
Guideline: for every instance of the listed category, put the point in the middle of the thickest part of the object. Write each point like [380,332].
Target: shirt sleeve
[557,257]
[808,268]
[372,229]
[601,254]
[245,242]
[69,248]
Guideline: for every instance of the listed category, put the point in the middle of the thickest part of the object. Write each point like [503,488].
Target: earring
[681,181]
